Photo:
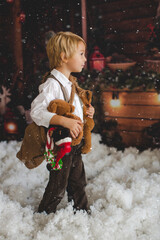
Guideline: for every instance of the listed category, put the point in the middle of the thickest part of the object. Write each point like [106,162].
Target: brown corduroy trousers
[71,178]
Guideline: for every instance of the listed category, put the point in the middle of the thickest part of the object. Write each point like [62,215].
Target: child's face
[77,61]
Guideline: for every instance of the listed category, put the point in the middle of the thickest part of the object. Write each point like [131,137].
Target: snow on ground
[123,190]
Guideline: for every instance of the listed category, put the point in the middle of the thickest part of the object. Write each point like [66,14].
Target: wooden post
[84,20]
[17,41]
[84,23]
[158,9]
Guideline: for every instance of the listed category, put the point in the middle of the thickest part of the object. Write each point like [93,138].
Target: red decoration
[152,32]
[9,1]
[22,17]
[97,60]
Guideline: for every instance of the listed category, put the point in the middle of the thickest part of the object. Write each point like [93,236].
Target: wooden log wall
[125,23]
[137,110]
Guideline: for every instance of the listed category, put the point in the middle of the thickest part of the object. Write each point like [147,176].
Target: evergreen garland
[133,78]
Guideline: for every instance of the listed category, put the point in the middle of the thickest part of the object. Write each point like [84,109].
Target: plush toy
[59,135]
[86,97]
[66,109]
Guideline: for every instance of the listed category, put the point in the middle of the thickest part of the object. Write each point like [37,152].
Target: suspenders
[52,76]
[74,87]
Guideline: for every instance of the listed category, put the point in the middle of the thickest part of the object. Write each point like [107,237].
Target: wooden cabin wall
[137,110]
[124,22]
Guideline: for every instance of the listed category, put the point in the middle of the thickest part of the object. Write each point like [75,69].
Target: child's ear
[63,57]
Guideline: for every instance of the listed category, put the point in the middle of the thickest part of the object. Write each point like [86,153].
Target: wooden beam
[17,36]
[84,20]
[128,14]
[18,77]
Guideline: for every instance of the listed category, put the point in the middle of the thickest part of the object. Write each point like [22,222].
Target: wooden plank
[128,14]
[132,112]
[111,7]
[134,36]
[142,98]
[132,98]
[128,25]
[132,124]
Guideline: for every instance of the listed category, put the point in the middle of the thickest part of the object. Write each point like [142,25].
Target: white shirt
[48,91]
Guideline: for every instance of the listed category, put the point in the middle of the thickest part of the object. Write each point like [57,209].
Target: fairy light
[11,127]
[22,17]
[115,102]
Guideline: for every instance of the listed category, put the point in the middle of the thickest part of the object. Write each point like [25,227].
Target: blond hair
[66,42]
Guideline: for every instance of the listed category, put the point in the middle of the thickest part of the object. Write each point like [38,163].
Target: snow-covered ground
[123,190]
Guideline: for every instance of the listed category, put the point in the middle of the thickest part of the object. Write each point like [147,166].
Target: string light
[115,102]
[11,127]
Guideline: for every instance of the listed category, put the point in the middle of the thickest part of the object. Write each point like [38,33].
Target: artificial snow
[123,191]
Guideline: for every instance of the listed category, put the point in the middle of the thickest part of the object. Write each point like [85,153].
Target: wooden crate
[137,110]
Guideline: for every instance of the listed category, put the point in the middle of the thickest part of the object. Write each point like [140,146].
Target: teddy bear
[60,135]
[86,97]
[66,109]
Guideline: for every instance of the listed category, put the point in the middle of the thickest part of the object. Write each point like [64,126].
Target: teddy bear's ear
[52,107]
[89,95]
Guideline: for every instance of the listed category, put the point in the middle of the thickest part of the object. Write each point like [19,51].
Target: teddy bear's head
[86,97]
[60,107]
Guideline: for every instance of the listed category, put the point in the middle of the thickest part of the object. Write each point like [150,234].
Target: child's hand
[75,126]
[90,111]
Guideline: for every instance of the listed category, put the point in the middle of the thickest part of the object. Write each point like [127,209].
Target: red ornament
[9,1]
[152,32]
[22,17]
[97,60]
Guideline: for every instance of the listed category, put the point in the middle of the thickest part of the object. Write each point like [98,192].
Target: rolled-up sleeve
[49,91]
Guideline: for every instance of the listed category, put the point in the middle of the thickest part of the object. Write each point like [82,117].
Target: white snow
[123,191]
